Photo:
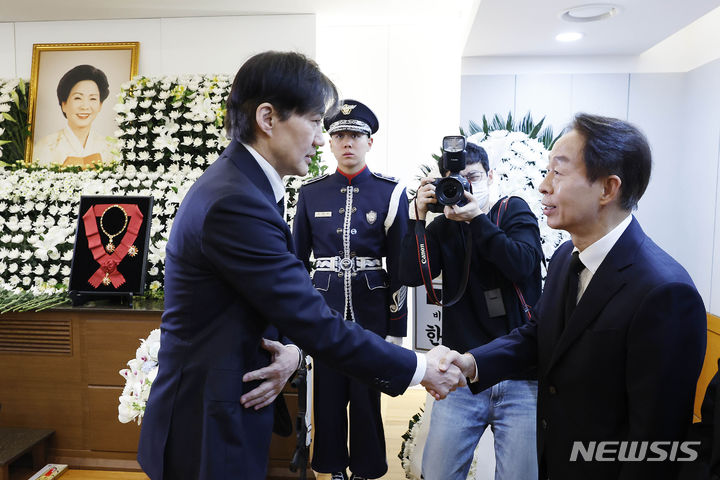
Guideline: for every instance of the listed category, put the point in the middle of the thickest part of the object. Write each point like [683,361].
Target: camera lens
[449,191]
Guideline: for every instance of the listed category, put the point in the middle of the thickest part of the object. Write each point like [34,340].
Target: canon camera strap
[424,262]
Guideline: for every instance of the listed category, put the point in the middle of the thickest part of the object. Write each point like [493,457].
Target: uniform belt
[347,264]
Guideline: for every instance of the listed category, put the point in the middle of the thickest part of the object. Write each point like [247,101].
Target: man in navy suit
[230,273]
[618,335]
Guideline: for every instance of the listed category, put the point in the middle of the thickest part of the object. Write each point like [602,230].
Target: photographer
[504,255]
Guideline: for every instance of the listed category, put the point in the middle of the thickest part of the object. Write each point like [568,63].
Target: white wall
[167,45]
[679,113]
[408,76]
[699,164]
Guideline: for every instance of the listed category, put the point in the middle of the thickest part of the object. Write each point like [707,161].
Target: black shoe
[338,476]
[357,477]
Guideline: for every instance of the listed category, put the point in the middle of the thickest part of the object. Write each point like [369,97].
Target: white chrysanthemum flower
[166,141]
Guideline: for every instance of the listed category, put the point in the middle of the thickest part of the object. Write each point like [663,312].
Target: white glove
[394,340]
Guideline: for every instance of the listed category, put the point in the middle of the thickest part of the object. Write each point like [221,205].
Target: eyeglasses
[475,176]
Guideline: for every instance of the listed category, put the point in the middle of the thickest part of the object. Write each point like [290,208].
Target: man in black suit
[618,335]
[230,273]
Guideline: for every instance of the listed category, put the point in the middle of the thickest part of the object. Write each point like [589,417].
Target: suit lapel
[609,279]
[248,166]
[551,321]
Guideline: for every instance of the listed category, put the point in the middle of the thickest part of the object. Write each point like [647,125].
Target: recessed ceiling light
[569,37]
[590,13]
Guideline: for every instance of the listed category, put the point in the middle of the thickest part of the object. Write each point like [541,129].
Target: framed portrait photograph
[73,89]
[111,245]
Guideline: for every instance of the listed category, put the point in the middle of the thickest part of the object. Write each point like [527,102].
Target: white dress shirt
[594,255]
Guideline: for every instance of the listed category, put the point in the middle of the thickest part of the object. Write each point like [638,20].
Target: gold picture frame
[54,67]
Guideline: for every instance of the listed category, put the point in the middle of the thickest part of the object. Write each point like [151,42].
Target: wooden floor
[396,414]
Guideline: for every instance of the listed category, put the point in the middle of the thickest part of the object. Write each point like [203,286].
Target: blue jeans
[458,422]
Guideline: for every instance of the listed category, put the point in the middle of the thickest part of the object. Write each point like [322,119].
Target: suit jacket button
[342,210]
[552,390]
[544,424]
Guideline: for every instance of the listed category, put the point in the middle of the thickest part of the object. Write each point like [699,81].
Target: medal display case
[111,247]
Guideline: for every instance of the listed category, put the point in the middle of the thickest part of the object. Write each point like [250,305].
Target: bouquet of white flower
[139,378]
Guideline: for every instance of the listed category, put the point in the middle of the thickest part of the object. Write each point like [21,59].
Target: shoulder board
[315,179]
[384,177]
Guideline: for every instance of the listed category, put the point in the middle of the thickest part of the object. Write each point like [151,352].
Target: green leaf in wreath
[7,116]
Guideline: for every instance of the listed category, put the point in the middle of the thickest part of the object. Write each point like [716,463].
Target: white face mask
[481,192]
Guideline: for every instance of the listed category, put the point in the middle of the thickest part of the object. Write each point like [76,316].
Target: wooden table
[59,370]
[16,442]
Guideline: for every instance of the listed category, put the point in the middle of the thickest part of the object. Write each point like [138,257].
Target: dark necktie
[281,207]
[571,284]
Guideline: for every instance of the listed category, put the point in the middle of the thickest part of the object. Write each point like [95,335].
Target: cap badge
[346,109]
[371,216]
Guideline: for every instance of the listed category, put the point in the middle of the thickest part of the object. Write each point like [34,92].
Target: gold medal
[132,251]
[106,280]
[110,247]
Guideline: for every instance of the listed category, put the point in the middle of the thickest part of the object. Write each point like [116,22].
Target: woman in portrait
[81,93]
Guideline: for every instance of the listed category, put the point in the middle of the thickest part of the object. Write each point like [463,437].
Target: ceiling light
[590,13]
[569,37]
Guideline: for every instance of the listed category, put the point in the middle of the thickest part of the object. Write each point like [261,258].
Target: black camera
[450,190]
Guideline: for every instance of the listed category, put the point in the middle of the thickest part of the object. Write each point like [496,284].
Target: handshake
[446,370]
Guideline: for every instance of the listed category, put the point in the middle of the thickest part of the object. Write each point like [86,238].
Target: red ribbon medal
[107,272]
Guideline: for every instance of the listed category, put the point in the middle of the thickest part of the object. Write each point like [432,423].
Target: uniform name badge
[371,216]
[323,214]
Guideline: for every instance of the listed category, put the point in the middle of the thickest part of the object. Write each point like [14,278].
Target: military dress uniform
[350,223]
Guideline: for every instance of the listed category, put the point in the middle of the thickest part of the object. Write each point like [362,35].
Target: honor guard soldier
[350,220]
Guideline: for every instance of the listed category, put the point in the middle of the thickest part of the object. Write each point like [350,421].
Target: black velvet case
[132,268]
